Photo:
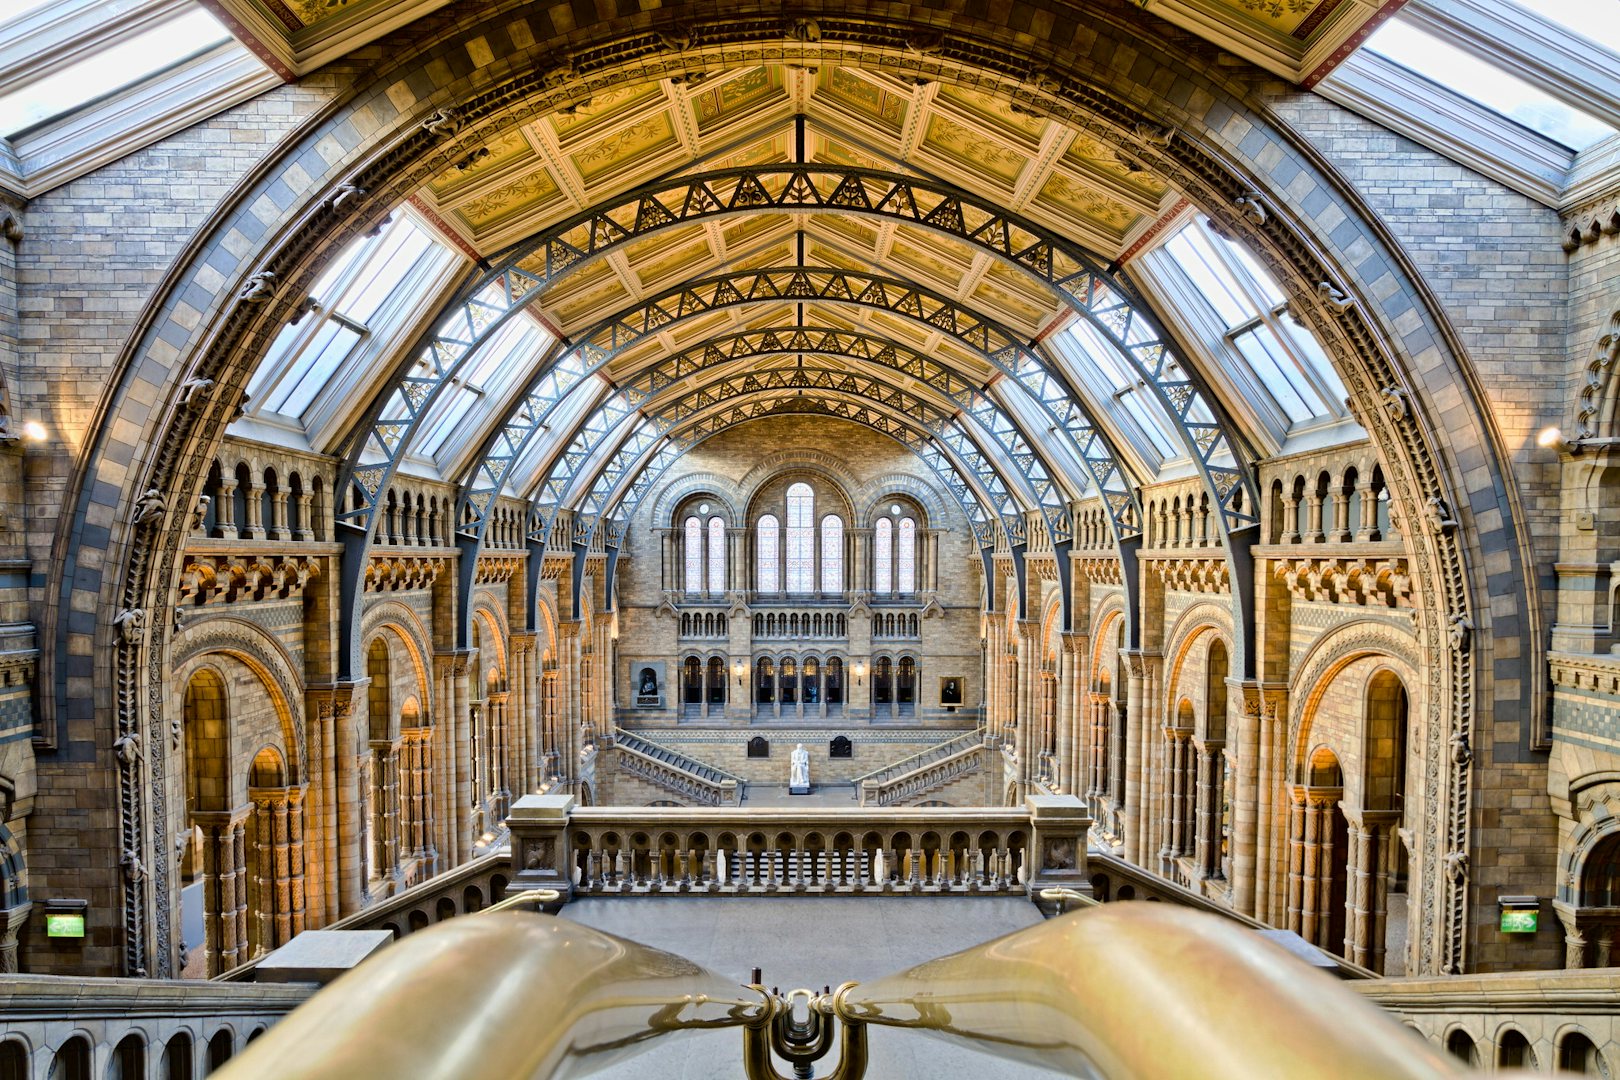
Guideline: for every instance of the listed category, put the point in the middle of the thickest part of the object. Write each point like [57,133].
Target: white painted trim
[105,131]
[1450,124]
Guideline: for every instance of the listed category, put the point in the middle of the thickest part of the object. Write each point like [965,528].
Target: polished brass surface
[514,995]
[526,898]
[1064,897]
[1122,991]
[1147,990]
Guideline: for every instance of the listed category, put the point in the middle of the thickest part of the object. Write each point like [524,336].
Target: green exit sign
[1519,921]
[68,926]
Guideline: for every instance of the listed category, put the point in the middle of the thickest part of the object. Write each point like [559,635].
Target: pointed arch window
[906,557]
[694,557]
[717,556]
[883,557]
[832,554]
[801,539]
[766,533]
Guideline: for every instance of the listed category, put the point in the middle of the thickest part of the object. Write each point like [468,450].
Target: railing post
[542,844]
[1056,855]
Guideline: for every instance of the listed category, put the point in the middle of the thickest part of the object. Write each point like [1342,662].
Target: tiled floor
[811,942]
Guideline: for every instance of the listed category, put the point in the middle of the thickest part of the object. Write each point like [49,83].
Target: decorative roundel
[703,508]
[894,509]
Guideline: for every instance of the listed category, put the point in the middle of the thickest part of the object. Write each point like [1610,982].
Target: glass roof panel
[1595,20]
[1444,64]
[110,70]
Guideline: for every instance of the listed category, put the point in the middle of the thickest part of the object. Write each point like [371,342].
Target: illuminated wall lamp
[739,669]
[860,673]
[34,431]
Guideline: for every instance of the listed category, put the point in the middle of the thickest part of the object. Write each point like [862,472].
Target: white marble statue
[799,767]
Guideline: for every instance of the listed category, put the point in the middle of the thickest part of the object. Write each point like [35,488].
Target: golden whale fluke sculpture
[1123,990]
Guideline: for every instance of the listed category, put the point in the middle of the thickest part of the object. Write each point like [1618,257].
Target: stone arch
[1331,654]
[1076,83]
[266,657]
[495,628]
[870,497]
[391,616]
[722,489]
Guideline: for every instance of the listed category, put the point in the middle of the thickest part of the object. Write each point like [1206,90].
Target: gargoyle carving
[1461,632]
[258,288]
[1333,296]
[130,623]
[447,121]
[149,508]
[343,196]
[1394,402]
[1250,206]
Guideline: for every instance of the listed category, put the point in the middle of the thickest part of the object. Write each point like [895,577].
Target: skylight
[1238,314]
[1595,20]
[1127,389]
[109,70]
[1446,65]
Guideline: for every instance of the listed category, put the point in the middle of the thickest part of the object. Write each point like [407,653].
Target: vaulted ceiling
[1295,39]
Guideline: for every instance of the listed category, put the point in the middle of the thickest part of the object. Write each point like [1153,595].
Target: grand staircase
[676,772]
[923,772]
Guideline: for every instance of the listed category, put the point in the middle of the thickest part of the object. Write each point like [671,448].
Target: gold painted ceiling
[544,172]
[1291,38]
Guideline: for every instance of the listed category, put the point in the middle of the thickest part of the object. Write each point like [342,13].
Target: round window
[894,510]
[703,508]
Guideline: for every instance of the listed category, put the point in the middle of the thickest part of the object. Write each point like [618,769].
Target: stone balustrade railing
[676,772]
[1538,1021]
[467,889]
[923,771]
[53,1026]
[637,851]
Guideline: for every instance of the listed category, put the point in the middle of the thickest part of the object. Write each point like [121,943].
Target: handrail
[1138,990]
[1125,990]
[508,996]
[938,752]
[625,739]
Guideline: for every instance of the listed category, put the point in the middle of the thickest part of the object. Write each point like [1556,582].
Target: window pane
[382,274]
[1192,252]
[766,532]
[832,554]
[306,375]
[801,553]
[883,558]
[694,557]
[717,556]
[1491,86]
[906,557]
[1277,371]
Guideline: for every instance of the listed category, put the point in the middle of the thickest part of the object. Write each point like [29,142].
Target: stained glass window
[906,556]
[883,557]
[766,533]
[801,539]
[694,556]
[832,554]
[717,556]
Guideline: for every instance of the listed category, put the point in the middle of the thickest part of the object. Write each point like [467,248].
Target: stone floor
[811,942]
[820,795]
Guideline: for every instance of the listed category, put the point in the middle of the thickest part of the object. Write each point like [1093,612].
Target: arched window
[766,533]
[717,556]
[801,539]
[832,554]
[906,557]
[883,557]
[694,557]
